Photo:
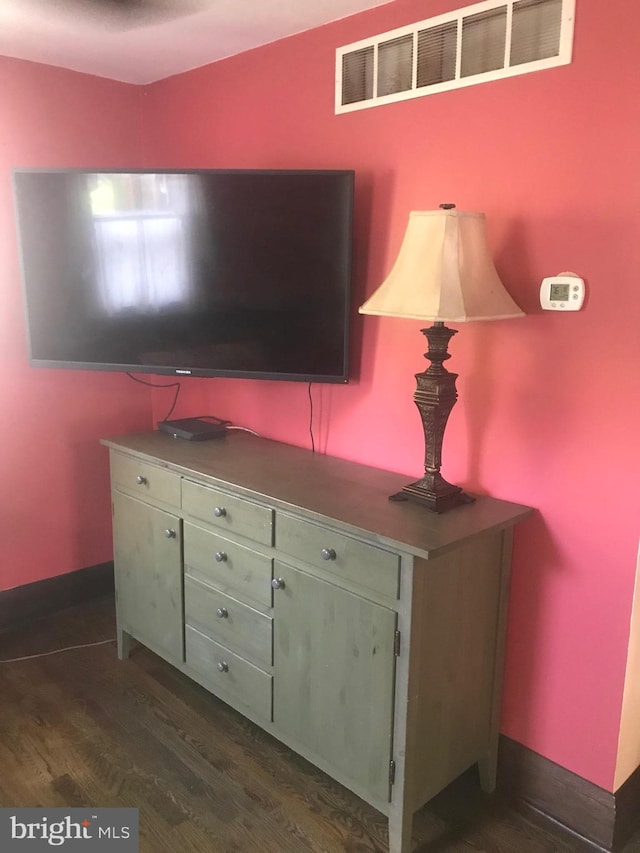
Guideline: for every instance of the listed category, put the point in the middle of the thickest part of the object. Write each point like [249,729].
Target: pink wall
[54,473]
[549,406]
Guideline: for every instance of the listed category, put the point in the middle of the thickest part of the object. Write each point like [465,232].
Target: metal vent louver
[486,41]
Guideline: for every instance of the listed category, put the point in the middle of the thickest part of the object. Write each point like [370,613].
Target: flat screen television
[240,273]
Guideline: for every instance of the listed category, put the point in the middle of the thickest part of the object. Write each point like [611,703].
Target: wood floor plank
[82,728]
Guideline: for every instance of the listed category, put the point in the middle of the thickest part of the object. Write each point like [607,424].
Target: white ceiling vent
[486,41]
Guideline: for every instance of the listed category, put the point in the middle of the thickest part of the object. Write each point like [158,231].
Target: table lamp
[444,273]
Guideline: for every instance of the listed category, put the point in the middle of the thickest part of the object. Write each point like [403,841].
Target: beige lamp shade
[443,272]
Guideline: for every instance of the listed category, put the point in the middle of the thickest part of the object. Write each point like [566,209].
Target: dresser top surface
[349,493]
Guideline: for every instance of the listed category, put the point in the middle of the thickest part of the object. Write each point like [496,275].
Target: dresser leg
[488,766]
[488,771]
[124,644]
[400,827]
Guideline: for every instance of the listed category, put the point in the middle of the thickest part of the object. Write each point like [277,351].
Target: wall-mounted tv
[205,273]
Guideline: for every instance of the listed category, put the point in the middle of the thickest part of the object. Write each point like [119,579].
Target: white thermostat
[563,292]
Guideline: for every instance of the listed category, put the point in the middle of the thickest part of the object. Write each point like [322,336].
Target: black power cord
[175,385]
[313,443]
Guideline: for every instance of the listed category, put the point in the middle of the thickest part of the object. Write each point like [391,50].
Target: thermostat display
[564,292]
[559,292]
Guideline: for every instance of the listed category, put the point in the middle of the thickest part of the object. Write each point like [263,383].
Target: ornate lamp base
[438,496]
[435,396]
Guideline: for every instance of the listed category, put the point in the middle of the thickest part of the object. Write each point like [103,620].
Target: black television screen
[204,273]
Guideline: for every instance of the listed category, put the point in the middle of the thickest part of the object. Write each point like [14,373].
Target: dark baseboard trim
[627,810]
[601,820]
[24,604]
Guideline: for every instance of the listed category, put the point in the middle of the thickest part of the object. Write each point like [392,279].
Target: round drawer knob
[220,556]
[140,480]
[222,612]
[169,533]
[277,583]
[219,511]
[328,554]
[222,666]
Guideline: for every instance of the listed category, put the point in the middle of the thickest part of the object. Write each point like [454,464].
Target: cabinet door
[148,574]
[334,669]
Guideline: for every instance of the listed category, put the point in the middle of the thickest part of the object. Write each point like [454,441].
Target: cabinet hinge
[396,644]
[392,772]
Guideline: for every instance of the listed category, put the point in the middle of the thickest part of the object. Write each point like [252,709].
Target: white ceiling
[139,41]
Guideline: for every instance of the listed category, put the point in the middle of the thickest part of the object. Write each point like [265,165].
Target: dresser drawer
[228,673]
[227,565]
[364,565]
[144,480]
[229,621]
[228,513]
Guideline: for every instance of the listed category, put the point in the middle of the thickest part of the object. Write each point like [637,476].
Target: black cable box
[193,429]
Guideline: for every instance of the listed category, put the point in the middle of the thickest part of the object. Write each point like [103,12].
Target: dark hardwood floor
[81,728]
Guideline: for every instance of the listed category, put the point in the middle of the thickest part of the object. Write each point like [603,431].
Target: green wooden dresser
[367,635]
